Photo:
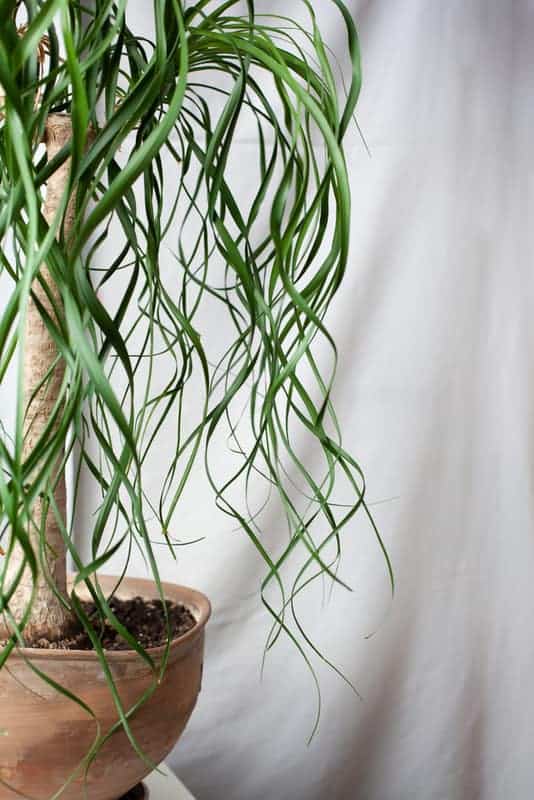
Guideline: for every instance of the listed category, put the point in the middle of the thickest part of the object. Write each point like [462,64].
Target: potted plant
[99,674]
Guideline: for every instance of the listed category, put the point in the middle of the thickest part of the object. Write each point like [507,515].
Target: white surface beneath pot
[166,786]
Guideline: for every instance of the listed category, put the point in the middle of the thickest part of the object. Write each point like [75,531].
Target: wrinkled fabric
[435,392]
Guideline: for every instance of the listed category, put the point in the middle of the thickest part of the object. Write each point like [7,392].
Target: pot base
[137,793]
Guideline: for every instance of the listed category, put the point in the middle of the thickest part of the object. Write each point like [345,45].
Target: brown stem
[42,384]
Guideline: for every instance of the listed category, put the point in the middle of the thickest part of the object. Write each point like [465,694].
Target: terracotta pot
[45,736]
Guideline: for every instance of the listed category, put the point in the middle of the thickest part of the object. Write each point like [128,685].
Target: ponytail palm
[153,127]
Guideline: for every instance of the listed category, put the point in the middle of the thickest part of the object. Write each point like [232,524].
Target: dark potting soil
[143,619]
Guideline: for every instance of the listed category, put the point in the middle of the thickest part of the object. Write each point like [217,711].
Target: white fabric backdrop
[434,391]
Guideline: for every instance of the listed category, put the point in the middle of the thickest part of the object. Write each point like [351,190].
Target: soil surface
[143,619]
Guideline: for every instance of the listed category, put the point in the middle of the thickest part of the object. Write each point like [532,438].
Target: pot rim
[197,603]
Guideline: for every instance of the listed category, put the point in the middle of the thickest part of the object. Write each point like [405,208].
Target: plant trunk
[48,618]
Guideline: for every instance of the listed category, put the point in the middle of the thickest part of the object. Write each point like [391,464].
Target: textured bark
[48,617]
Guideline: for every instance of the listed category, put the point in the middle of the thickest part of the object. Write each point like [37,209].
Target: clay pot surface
[45,736]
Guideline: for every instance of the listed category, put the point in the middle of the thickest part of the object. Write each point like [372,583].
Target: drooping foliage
[168,115]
